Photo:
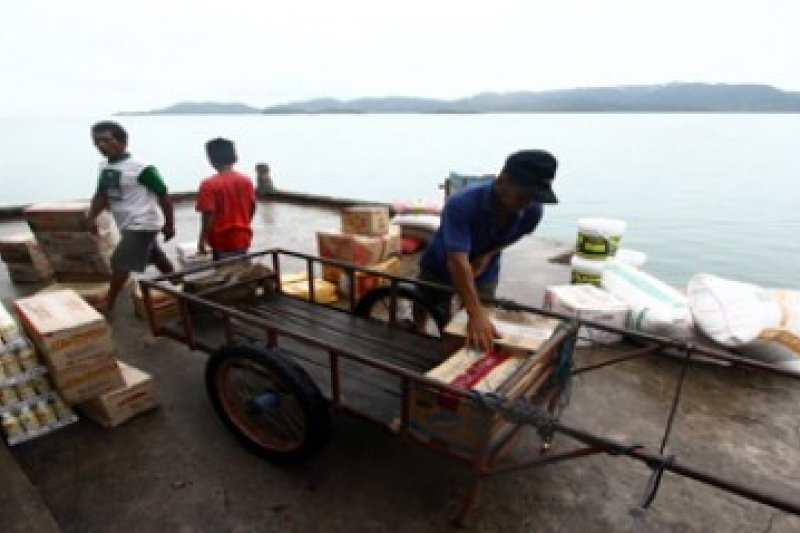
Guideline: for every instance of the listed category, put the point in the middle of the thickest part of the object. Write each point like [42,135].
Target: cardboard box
[365,220]
[63,326]
[64,216]
[82,350]
[93,292]
[87,263]
[90,384]
[165,306]
[136,396]
[28,273]
[77,242]
[481,371]
[526,331]
[82,277]
[87,363]
[22,248]
[458,424]
[591,303]
[357,249]
[363,281]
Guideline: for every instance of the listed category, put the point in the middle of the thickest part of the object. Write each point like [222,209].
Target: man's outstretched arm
[480,330]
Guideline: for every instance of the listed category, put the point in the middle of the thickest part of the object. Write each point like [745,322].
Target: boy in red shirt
[227,203]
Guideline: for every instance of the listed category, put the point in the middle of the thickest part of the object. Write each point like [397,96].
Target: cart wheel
[269,403]
[413,312]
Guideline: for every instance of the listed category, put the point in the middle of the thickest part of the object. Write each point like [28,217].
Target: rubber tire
[312,403]
[367,302]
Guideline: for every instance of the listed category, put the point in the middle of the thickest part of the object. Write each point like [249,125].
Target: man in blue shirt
[477,224]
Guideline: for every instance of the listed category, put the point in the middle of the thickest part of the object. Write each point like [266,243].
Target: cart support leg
[467,503]
[481,466]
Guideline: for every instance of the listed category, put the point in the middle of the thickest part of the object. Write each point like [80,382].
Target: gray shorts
[441,299]
[135,250]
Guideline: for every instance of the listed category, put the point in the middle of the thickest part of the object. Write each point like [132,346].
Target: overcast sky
[78,57]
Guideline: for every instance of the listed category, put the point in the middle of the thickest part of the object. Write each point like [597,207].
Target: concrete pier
[179,469]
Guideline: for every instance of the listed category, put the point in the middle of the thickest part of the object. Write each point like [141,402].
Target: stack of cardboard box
[366,239]
[24,259]
[115,407]
[29,407]
[75,252]
[74,342]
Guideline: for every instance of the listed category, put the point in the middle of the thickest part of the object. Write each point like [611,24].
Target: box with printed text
[358,249]
[137,395]
[365,220]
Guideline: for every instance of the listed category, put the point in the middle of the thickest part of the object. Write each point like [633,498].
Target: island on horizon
[667,98]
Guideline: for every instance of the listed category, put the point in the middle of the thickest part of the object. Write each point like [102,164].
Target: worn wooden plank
[342,331]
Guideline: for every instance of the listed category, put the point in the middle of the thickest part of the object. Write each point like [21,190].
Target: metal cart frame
[536,395]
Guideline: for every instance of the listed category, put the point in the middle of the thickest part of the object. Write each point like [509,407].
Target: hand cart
[280,364]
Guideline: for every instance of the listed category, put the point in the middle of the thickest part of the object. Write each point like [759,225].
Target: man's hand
[481,333]
[169,232]
[169,216]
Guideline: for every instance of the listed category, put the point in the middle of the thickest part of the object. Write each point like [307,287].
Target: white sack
[763,323]
[656,307]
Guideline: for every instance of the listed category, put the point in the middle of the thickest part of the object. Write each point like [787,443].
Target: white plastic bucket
[587,270]
[599,238]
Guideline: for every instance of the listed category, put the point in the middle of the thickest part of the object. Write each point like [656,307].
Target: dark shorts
[441,300]
[135,250]
[218,255]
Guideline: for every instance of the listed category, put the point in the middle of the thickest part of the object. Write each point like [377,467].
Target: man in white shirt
[138,200]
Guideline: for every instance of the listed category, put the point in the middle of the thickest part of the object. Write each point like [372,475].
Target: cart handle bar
[522,412]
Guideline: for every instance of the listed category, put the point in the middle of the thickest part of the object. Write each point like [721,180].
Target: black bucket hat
[533,172]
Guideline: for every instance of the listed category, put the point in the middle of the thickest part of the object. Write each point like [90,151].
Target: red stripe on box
[473,375]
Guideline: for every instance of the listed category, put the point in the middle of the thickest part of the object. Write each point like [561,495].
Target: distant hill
[395,104]
[669,98]
[198,108]
[673,97]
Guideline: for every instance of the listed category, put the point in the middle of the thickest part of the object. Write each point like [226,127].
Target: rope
[533,413]
[560,378]
[562,374]
[654,482]
[676,397]
[521,411]
[518,412]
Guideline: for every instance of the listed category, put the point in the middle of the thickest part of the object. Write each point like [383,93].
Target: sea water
[714,193]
